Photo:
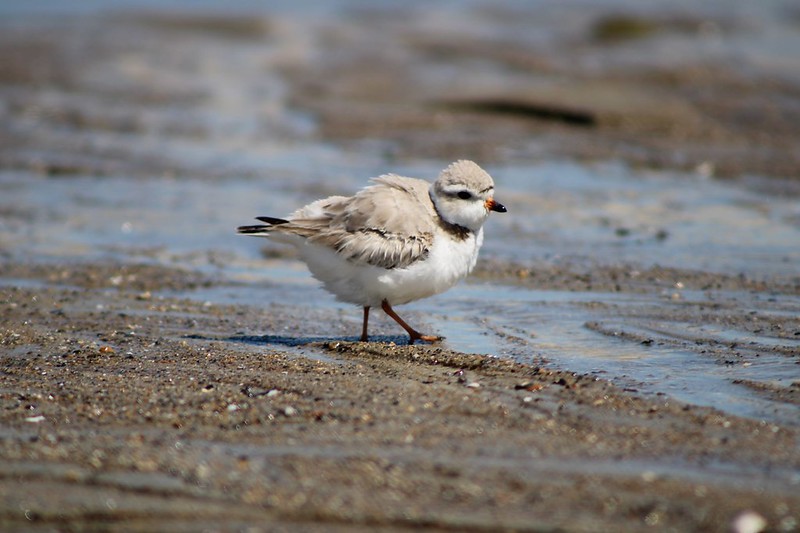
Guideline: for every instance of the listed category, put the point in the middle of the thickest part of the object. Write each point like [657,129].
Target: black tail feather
[260,228]
[273,221]
[250,230]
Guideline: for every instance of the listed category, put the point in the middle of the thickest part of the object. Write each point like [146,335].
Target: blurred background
[656,132]
[641,146]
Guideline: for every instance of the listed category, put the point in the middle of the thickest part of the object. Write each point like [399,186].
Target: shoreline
[129,397]
[158,373]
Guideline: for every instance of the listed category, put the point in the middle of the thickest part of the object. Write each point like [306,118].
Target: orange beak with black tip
[491,205]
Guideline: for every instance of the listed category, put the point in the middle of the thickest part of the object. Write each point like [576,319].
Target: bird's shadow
[294,342]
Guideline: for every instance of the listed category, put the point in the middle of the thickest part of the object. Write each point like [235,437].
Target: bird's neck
[459,232]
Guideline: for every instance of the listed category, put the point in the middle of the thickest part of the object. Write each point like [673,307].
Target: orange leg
[412,333]
[364,326]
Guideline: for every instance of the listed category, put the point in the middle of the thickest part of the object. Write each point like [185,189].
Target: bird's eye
[464,195]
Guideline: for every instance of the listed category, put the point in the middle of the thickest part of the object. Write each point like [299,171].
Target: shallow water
[550,328]
[589,213]
[172,188]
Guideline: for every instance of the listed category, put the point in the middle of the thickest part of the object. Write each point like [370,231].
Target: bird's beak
[491,205]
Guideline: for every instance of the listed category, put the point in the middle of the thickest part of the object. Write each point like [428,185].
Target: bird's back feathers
[358,227]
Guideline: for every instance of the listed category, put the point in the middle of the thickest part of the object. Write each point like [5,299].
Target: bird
[397,240]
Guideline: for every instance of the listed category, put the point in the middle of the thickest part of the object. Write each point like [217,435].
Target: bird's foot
[417,336]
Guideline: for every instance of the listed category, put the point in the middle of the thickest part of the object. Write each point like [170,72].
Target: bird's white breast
[450,260]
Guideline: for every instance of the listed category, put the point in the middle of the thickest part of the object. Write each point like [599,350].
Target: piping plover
[397,240]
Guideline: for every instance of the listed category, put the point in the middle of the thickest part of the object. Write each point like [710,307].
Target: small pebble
[528,386]
[748,522]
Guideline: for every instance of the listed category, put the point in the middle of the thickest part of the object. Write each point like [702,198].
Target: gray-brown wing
[389,224]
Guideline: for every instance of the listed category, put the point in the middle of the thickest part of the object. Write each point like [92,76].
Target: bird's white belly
[448,261]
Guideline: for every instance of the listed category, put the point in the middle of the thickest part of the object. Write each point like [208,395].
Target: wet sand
[129,401]
[122,408]
[595,89]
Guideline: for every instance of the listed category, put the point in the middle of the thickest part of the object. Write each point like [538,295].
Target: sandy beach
[624,358]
